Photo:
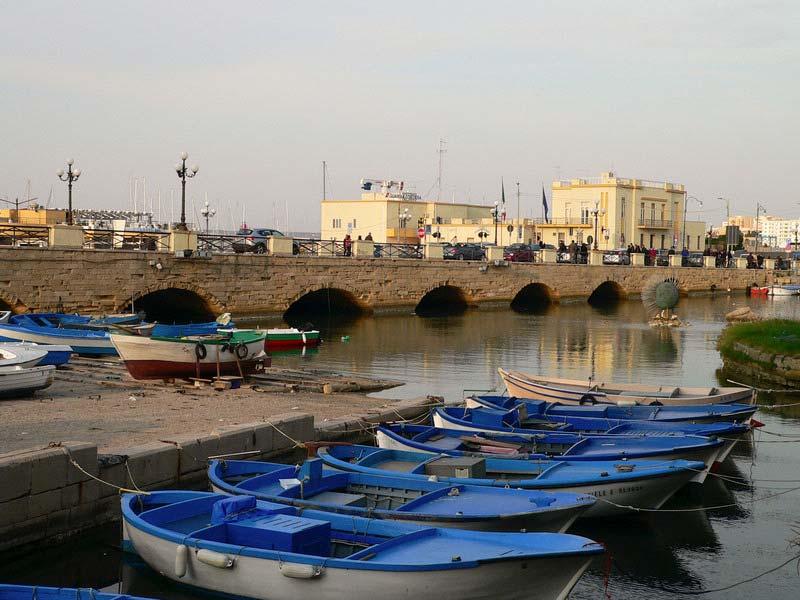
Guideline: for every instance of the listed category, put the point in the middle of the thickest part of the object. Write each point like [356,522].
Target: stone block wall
[43,496]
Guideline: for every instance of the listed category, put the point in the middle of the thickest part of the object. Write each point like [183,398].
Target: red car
[518,253]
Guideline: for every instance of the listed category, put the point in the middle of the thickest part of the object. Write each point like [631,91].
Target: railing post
[494,252]
[434,251]
[675,260]
[549,255]
[363,249]
[709,262]
[769,264]
[280,246]
[596,257]
[65,236]
[637,259]
[741,262]
[180,241]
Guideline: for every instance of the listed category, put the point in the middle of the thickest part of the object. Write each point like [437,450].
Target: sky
[260,93]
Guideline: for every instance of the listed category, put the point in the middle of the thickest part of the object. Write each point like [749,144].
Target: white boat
[575,391]
[783,290]
[254,549]
[234,353]
[17,382]
[20,355]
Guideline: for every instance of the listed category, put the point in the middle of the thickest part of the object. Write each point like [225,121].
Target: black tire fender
[587,399]
[241,351]
[200,351]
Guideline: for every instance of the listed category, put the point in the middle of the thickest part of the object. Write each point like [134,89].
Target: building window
[641,213]
[584,216]
[688,241]
[653,212]
[337,224]
[354,223]
[698,243]
[622,208]
[651,240]
[641,237]
[662,213]
[662,240]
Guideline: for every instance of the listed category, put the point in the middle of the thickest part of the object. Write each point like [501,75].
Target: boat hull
[264,579]
[565,391]
[649,491]
[21,382]
[87,346]
[286,339]
[148,358]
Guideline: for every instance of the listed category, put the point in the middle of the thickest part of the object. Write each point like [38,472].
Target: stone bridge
[170,288]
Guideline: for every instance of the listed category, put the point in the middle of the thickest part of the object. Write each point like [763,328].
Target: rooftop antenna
[442,150]
[324,177]
[49,197]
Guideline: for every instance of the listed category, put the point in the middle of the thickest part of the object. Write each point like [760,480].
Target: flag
[503,197]
[544,205]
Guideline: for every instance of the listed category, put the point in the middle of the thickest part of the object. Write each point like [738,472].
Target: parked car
[695,259]
[519,253]
[616,257]
[255,240]
[662,258]
[463,251]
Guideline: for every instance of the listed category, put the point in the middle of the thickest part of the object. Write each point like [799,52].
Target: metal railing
[220,243]
[110,239]
[12,234]
[312,247]
[398,251]
[655,223]
[571,221]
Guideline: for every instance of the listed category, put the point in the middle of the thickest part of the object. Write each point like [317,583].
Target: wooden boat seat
[341,499]
[665,393]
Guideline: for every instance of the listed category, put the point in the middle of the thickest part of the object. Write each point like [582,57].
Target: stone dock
[53,489]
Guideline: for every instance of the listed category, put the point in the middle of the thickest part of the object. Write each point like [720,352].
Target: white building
[778,232]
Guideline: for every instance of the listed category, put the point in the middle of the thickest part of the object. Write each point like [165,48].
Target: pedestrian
[652,254]
[369,237]
[684,256]
[573,252]
[584,253]
[348,245]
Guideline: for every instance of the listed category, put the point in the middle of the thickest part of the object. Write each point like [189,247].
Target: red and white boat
[231,353]
[287,339]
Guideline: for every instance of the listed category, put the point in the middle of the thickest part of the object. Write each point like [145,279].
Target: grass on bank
[776,336]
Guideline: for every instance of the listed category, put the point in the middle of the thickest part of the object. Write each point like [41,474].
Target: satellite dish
[224,319]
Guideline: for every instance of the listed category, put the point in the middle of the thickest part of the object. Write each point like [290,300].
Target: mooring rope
[75,464]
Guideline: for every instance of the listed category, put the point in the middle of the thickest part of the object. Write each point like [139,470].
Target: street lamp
[70,176]
[207,213]
[597,212]
[683,231]
[183,173]
[495,215]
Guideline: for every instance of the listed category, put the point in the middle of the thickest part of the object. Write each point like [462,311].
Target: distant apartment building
[627,211]
[33,214]
[390,214]
[778,232]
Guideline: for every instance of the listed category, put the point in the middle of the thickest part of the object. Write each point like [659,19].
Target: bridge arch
[327,301]
[532,298]
[443,299]
[607,293]
[175,303]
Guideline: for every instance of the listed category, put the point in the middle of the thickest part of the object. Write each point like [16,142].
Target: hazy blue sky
[260,93]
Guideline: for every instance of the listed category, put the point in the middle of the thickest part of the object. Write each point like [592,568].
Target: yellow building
[33,215]
[624,211]
[394,216]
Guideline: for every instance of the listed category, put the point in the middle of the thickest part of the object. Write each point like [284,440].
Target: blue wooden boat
[516,420]
[397,498]
[41,330]
[55,355]
[162,330]
[570,446]
[240,546]
[38,592]
[642,484]
[698,413]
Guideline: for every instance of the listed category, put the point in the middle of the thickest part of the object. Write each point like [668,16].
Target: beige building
[394,216]
[626,211]
[33,215]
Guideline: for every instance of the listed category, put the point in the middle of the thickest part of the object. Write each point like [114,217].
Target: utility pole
[442,150]
[519,219]
[324,177]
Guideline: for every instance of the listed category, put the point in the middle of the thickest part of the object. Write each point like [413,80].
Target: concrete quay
[45,497]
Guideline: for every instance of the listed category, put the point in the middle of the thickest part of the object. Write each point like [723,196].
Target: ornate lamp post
[495,215]
[683,231]
[597,212]
[183,173]
[207,213]
[70,176]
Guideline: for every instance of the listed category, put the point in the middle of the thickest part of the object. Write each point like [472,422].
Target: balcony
[655,224]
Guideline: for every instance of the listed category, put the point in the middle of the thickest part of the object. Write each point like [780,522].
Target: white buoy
[298,571]
[181,560]
[215,559]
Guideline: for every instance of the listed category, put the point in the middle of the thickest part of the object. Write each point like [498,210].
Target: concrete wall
[44,497]
[98,281]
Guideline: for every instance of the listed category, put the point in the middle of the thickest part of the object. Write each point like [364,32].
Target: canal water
[672,554]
